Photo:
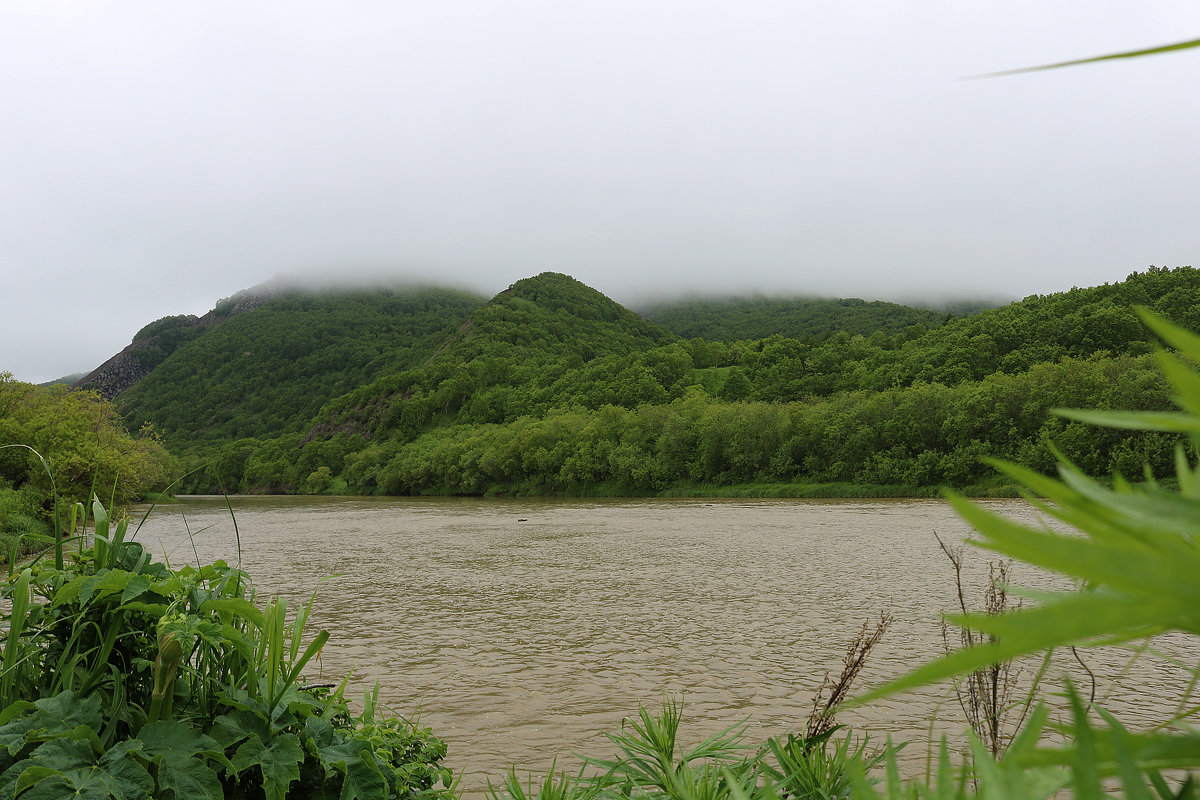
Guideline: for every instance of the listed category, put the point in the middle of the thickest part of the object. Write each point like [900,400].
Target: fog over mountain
[159,157]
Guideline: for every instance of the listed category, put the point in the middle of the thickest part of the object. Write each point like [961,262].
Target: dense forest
[805,318]
[551,387]
[86,450]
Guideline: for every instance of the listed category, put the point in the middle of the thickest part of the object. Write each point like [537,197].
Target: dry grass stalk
[987,695]
[821,720]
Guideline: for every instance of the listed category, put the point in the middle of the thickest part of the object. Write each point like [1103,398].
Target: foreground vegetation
[86,449]
[124,678]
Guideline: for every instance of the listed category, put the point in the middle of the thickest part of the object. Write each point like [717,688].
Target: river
[520,630]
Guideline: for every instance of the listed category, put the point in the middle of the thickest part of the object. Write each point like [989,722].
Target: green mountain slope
[511,359]
[737,318]
[1079,323]
[268,370]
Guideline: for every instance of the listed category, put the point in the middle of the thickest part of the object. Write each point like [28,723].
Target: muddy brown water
[521,630]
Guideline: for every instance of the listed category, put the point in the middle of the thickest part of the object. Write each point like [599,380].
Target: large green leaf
[14,735]
[176,737]
[65,712]
[68,768]
[362,779]
[347,756]
[229,729]
[125,767]
[278,759]
[189,777]
[93,783]
[135,587]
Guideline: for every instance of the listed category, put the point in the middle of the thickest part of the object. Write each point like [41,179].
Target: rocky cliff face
[115,375]
[153,343]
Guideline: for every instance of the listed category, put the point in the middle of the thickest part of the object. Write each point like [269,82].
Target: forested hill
[268,370]
[553,388]
[544,341]
[1079,323]
[803,318]
[156,341]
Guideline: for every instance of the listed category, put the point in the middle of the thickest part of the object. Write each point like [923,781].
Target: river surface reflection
[522,629]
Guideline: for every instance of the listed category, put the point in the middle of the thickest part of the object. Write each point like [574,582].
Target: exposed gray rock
[115,375]
[142,355]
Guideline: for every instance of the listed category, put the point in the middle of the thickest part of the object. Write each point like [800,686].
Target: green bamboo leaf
[1183,379]
[1026,740]
[1086,775]
[1145,51]
[1188,482]
[1064,503]
[1169,421]
[273,633]
[1129,565]
[100,533]
[13,654]
[1114,618]
[1127,768]
[118,540]
[311,651]
[1077,618]
[1160,519]
[1150,751]
[1043,548]
[1182,340]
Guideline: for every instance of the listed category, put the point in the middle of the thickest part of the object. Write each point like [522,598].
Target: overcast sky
[157,156]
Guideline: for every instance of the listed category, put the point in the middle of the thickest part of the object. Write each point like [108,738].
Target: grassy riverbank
[997,487]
